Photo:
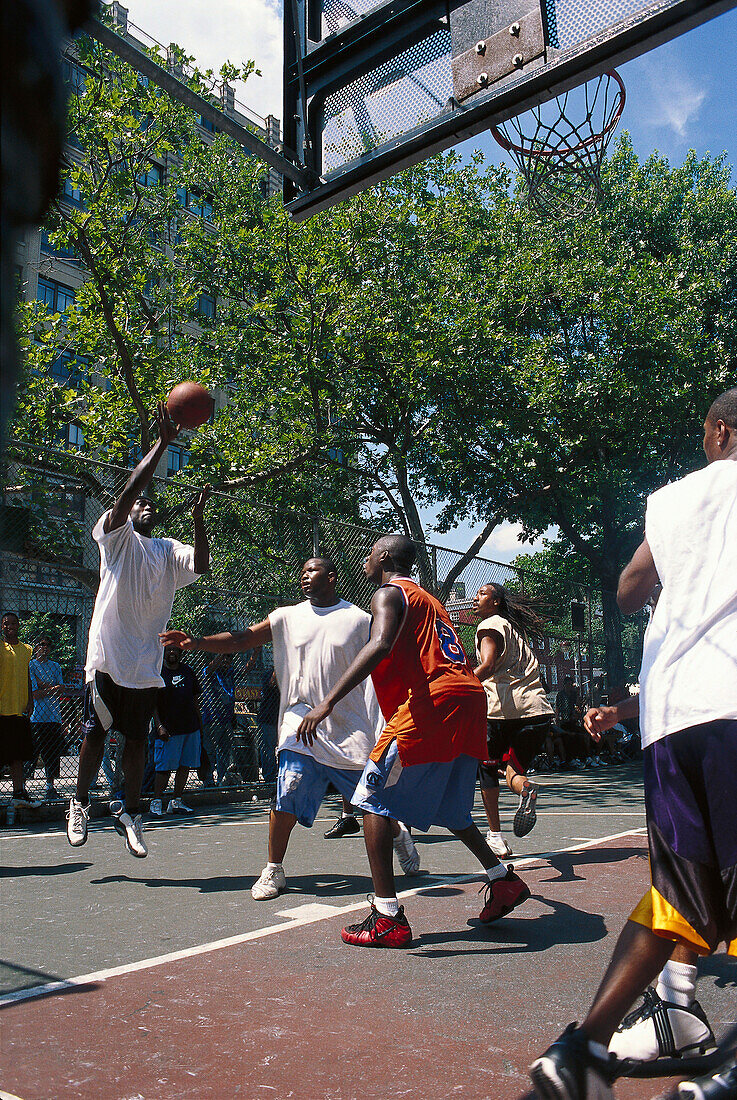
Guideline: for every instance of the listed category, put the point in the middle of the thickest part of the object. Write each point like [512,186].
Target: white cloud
[504,542]
[676,101]
[223,30]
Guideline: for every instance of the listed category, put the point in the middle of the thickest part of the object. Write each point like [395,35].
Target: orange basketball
[189,404]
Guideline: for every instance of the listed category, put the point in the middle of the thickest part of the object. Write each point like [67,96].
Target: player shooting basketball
[139,576]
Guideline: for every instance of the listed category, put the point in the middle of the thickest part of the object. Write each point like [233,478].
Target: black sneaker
[525,817]
[658,1029]
[721,1086]
[344,826]
[569,1071]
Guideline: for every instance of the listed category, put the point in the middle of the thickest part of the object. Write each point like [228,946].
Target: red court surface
[291,1012]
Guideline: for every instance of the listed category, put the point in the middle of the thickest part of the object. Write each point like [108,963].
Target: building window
[198,204]
[206,306]
[73,195]
[175,461]
[75,436]
[209,126]
[55,297]
[57,250]
[69,368]
[152,176]
[74,75]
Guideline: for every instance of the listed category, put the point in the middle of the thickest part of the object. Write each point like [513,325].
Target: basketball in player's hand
[189,404]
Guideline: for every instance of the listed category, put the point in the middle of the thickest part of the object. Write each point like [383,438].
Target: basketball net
[561,159]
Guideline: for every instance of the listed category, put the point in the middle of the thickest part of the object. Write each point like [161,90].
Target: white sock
[493,873]
[274,867]
[349,814]
[389,907]
[495,836]
[677,983]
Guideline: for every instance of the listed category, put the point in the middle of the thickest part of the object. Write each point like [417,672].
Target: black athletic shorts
[515,741]
[107,706]
[16,742]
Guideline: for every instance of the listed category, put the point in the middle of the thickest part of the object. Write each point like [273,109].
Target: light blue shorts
[302,783]
[182,750]
[421,794]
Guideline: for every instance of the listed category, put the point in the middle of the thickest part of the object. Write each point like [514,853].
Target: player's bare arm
[235,641]
[387,609]
[637,581]
[491,646]
[201,545]
[141,477]
[598,720]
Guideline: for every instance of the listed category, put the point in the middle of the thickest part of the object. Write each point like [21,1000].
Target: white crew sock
[495,836]
[350,813]
[677,983]
[493,873]
[388,907]
[274,867]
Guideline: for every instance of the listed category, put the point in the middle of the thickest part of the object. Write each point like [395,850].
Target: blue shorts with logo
[302,782]
[181,750]
[420,795]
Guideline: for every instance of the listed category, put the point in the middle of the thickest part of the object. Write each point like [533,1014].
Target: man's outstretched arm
[236,641]
[201,545]
[637,581]
[387,609]
[141,477]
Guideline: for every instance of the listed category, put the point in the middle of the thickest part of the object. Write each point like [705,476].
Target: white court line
[152,827]
[312,917]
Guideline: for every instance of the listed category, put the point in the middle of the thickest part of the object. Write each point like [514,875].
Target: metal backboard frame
[434,72]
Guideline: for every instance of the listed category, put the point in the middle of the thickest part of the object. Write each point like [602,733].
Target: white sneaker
[271,882]
[77,818]
[498,845]
[661,1029]
[176,806]
[157,807]
[407,854]
[130,828]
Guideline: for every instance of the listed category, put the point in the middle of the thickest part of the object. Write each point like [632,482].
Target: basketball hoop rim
[542,154]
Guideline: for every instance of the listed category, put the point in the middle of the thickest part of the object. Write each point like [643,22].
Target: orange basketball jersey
[426,687]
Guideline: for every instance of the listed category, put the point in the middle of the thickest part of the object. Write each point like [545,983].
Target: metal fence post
[316,537]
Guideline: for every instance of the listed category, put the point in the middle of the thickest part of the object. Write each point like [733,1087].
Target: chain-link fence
[49,566]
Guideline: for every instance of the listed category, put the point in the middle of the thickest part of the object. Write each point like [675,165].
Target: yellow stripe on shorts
[655,913]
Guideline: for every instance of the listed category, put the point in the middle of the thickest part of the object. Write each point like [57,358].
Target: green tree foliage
[607,340]
[41,624]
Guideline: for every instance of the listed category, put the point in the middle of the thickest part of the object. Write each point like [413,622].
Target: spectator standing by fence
[16,703]
[47,684]
[178,724]
[267,718]
[218,715]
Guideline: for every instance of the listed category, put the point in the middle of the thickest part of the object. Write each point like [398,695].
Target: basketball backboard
[372,88]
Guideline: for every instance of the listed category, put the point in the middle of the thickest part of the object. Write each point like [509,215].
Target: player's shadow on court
[329,886]
[564,924]
[52,869]
[722,968]
[565,863]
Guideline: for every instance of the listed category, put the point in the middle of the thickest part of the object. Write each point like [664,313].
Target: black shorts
[107,706]
[515,741]
[16,742]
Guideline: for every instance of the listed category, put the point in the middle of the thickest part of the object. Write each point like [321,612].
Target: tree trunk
[612,632]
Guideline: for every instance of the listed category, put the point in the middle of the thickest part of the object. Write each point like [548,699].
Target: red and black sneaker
[379,930]
[502,896]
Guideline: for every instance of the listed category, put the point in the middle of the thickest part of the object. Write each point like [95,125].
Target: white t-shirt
[138,579]
[313,647]
[689,662]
